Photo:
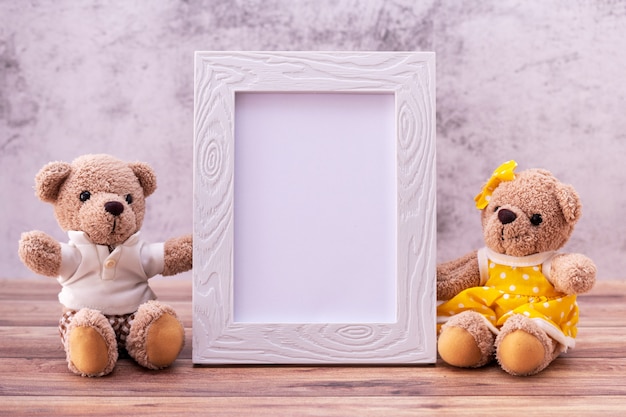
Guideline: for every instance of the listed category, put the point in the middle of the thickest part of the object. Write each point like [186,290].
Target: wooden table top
[34,380]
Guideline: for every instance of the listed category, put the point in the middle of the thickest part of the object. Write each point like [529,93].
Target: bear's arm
[457,275]
[40,253]
[178,255]
[43,255]
[572,273]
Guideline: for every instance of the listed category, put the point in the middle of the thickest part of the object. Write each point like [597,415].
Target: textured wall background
[541,82]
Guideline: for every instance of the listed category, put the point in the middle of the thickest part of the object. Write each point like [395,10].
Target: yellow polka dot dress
[517,285]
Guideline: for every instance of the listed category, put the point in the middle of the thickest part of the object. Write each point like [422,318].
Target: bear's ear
[49,180]
[569,202]
[145,175]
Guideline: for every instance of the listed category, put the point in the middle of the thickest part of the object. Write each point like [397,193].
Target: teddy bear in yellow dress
[515,299]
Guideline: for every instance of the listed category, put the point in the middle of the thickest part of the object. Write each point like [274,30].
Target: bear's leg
[466,341]
[89,342]
[156,336]
[523,348]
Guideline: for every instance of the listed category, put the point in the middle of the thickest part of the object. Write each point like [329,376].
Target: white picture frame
[226,333]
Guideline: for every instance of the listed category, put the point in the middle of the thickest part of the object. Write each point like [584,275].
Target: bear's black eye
[496,208]
[84,196]
[129,199]
[536,219]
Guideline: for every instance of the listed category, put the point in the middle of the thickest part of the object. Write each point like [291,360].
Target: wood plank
[565,377]
[398,406]
[47,313]
[599,342]
[612,288]
[596,310]
[180,289]
[33,302]
[34,379]
[43,288]
[44,342]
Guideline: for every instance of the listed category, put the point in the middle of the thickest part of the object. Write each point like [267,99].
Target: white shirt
[113,283]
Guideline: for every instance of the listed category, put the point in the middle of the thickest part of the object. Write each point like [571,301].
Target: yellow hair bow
[503,173]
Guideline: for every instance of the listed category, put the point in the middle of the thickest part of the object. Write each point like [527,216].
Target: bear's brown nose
[506,216]
[114,207]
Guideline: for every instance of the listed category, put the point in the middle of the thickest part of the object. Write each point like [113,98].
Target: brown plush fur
[178,255]
[40,252]
[159,322]
[457,275]
[106,179]
[90,346]
[472,352]
[532,192]
[521,347]
[111,181]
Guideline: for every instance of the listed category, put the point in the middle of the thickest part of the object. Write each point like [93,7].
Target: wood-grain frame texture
[217,338]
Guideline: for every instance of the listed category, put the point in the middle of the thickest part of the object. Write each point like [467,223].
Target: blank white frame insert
[294,258]
[314,176]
